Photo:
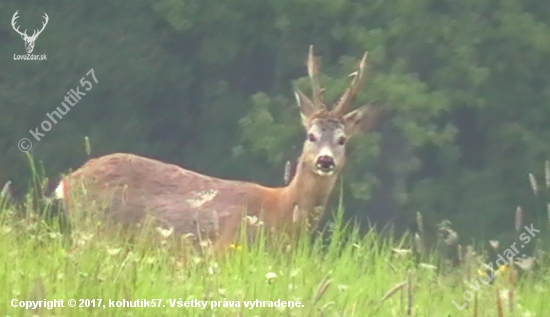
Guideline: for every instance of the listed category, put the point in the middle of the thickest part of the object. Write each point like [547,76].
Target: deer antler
[313,71]
[17,28]
[349,95]
[43,25]
[24,34]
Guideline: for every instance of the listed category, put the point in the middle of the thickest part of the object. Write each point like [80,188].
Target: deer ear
[362,120]
[307,108]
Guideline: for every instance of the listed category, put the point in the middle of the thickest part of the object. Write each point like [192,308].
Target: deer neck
[308,191]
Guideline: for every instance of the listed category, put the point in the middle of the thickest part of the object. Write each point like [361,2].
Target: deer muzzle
[325,165]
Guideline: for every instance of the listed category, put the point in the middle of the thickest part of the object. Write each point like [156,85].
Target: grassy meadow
[346,273]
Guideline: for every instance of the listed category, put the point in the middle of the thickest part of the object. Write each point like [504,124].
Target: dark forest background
[207,85]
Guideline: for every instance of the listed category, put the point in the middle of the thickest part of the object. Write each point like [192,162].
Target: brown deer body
[213,208]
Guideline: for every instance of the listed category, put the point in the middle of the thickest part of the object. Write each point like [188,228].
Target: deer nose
[325,163]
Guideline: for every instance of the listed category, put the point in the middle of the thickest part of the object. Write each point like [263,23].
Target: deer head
[329,129]
[29,40]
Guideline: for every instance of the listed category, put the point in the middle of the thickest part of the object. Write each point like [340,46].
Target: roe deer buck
[214,208]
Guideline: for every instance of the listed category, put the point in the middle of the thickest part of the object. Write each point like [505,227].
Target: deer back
[128,187]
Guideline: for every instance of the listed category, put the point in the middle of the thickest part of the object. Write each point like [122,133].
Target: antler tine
[349,95]
[14,17]
[313,71]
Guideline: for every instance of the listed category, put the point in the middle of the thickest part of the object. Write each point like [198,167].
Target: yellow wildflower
[235,246]
[501,269]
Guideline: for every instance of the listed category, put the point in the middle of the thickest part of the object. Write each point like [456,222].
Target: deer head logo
[29,40]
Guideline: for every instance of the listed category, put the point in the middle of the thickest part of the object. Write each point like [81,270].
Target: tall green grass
[343,274]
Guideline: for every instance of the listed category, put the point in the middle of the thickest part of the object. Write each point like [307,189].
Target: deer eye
[341,140]
[311,137]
